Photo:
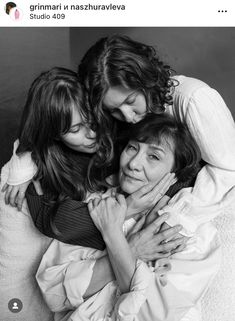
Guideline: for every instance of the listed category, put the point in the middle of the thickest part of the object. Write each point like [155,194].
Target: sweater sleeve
[212,125]
[72,220]
[21,168]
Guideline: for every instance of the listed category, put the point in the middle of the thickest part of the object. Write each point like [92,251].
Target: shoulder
[193,96]
[187,87]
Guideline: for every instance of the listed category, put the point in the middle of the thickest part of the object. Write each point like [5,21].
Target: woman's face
[143,163]
[125,104]
[80,137]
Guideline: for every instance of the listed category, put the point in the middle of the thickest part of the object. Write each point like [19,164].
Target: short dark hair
[163,128]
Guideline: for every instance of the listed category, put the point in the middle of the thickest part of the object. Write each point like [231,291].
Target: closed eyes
[75,128]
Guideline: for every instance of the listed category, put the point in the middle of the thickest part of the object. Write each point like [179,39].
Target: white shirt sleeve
[66,270]
[21,168]
[212,125]
[64,275]
[110,305]
[129,304]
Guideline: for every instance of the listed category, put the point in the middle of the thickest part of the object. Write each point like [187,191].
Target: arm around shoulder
[72,220]
[212,125]
[21,168]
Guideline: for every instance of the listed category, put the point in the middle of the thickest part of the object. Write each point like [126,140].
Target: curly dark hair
[120,61]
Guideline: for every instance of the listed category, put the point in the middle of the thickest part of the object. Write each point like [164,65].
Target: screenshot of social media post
[117,158]
[116,13]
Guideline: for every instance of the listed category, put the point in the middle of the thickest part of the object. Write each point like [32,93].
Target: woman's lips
[131,177]
[91,146]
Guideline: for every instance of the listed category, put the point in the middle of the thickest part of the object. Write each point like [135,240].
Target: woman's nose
[127,113]
[90,134]
[135,163]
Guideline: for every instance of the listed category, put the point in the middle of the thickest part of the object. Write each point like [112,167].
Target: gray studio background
[204,53]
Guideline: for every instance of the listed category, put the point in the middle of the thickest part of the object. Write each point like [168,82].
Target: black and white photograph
[117,189]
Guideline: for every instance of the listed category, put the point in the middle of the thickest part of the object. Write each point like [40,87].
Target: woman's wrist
[112,235]
[134,250]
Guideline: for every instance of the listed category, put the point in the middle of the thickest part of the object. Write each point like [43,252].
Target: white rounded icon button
[15,305]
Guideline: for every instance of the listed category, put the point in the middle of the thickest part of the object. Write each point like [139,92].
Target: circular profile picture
[9,6]
[13,11]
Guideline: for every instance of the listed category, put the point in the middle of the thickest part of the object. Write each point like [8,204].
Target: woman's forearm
[102,274]
[72,220]
[119,264]
[121,258]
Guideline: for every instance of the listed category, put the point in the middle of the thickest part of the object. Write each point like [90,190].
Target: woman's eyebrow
[157,148]
[134,93]
[123,101]
[77,124]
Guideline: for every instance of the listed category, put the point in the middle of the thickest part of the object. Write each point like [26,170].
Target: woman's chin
[129,188]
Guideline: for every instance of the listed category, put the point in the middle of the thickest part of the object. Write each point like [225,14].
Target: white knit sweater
[218,304]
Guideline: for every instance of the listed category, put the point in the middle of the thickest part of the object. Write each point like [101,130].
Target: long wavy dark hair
[163,128]
[119,60]
[47,115]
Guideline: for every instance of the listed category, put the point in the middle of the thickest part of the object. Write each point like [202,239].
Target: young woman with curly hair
[124,80]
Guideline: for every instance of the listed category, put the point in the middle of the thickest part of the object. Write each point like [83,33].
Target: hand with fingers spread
[153,214]
[180,247]
[148,244]
[15,194]
[148,195]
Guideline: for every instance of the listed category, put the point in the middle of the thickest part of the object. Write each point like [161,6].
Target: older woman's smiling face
[143,163]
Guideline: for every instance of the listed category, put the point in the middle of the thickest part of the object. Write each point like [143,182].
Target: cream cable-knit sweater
[218,304]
